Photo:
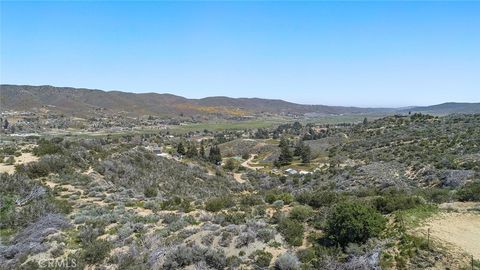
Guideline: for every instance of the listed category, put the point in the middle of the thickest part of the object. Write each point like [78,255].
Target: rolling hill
[80,101]
[85,102]
[447,108]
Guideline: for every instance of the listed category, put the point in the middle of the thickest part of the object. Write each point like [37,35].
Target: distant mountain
[446,108]
[86,102]
[79,101]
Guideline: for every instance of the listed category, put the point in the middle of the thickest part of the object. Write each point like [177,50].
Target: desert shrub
[96,251]
[353,223]
[301,212]
[262,258]
[230,165]
[265,235]
[33,170]
[292,231]
[150,192]
[7,212]
[251,200]
[207,240]
[235,218]
[47,164]
[306,255]
[469,192]
[10,160]
[46,147]
[390,203]
[8,150]
[88,234]
[233,262]
[225,239]
[215,259]
[177,203]
[244,239]
[437,195]
[260,210]
[183,256]
[287,261]
[275,195]
[219,203]
[317,198]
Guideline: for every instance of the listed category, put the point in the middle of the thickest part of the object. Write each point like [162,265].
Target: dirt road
[459,230]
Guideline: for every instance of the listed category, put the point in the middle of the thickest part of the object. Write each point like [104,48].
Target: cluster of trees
[191,151]
[286,156]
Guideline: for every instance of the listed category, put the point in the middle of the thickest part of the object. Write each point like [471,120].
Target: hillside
[81,101]
[447,108]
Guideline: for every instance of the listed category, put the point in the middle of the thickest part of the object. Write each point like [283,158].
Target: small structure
[291,171]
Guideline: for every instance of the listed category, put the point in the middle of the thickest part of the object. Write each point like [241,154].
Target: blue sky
[334,53]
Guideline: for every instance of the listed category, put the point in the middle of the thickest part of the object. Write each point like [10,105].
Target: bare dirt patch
[459,231]
[238,178]
[23,159]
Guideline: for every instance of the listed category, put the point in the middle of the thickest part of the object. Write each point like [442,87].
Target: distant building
[291,171]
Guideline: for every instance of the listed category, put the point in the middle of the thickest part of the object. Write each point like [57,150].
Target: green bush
[8,150]
[353,223]
[317,199]
[150,192]
[96,251]
[251,200]
[47,148]
[306,255]
[262,258]
[219,203]
[230,165]
[301,212]
[275,195]
[10,160]
[390,203]
[292,231]
[437,195]
[470,192]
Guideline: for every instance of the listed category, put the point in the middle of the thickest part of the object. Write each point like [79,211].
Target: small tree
[287,261]
[292,231]
[215,156]
[283,142]
[470,192]
[301,213]
[299,148]
[285,157]
[353,223]
[230,165]
[192,150]
[306,154]
[181,149]
[202,150]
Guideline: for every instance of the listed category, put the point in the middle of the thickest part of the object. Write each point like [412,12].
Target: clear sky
[334,53]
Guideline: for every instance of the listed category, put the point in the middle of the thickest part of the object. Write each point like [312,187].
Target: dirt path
[460,231]
[247,165]
[238,178]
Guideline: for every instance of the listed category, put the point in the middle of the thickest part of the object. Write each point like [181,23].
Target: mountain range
[84,102]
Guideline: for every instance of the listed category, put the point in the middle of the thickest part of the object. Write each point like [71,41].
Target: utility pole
[428,238]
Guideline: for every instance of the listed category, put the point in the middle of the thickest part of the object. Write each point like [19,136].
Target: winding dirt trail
[238,178]
[247,165]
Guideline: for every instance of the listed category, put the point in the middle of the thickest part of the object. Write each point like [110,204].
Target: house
[291,171]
